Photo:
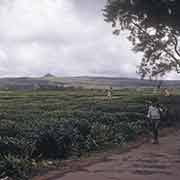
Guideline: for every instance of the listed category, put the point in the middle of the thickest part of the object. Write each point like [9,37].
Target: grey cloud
[89,9]
[61,37]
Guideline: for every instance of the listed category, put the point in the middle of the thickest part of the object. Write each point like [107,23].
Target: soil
[140,160]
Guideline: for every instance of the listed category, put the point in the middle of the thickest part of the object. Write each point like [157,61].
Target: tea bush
[14,167]
[35,126]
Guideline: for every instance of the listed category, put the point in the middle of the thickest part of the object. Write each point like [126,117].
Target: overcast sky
[62,37]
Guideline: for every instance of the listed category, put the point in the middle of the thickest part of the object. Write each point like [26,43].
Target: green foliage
[14,167]
[62,139]
[153,29]
[59,125]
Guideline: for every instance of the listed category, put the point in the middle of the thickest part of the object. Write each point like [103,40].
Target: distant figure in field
[109,93]
[154,115]
[167,93]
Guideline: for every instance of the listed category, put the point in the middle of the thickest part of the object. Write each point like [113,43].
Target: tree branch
[176,44]
[163,49]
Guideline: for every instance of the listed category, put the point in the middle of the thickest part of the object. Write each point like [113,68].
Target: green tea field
[41,125]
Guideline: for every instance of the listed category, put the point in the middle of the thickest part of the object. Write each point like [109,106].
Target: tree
[154,29]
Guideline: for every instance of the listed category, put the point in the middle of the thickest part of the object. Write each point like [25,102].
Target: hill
[51,82]
[48,75]
[115,82]
[26,83]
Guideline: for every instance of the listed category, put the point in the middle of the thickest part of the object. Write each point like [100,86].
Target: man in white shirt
[154,114]
[109,93]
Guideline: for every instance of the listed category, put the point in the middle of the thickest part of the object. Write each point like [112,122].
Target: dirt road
[147,162]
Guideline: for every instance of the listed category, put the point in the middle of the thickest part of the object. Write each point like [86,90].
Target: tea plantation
[43,125]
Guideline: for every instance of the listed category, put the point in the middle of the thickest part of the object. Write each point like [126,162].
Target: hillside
[26,83]
[115,82]
[54,83]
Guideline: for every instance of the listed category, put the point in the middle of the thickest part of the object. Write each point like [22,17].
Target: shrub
[14,167]
[23,145]
[101,134]
[62,139]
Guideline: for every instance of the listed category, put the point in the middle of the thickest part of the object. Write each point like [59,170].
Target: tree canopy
[154,29]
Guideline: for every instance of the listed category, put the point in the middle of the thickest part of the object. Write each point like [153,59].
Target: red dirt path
[147,162]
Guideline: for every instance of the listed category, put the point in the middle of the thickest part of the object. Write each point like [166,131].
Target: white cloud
[37,19]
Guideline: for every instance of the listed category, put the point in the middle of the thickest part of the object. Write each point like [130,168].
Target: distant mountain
[50,82]
[115,82]
[28,84]
[48,75]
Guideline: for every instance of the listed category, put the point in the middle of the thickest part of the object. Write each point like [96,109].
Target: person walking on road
[109,94]
[154,115]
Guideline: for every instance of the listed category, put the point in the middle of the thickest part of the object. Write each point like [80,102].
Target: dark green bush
[172,105]
[14,167]
[62,139]
[18,146]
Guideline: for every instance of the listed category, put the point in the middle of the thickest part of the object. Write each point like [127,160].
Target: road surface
[147,162]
